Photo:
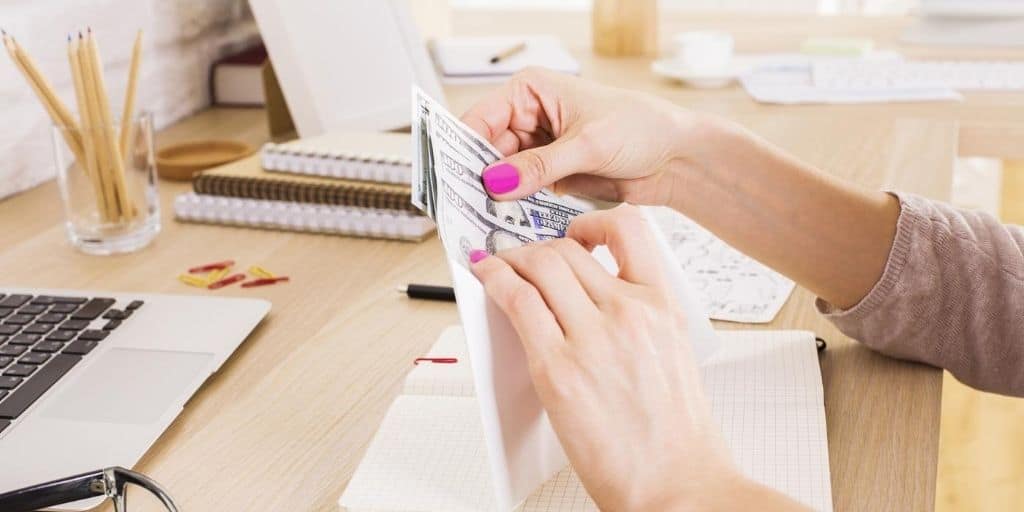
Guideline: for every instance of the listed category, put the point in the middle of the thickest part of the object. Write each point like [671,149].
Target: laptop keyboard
[42,337]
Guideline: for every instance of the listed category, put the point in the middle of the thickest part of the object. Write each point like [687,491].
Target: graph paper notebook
[430,454]
[361,156]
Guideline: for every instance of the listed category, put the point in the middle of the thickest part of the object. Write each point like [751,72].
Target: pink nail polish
[501,178]
[476,255]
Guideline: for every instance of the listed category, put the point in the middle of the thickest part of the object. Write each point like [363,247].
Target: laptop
[91,379]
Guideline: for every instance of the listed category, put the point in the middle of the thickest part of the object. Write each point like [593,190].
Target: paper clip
[259,271]
[439,360]
[226,281]
[211,266]
[264,281]
[217,275]
[193,280]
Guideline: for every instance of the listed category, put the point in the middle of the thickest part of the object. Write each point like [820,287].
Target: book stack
[353,184]
[237,80]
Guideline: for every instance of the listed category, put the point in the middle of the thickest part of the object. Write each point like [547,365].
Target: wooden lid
[182,161]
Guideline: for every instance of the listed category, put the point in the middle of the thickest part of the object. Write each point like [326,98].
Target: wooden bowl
[182,161]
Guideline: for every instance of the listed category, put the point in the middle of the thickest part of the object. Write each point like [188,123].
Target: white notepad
[430,455]
[468,59]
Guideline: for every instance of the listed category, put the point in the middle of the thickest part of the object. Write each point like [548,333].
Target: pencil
[508,52]
[94,127]
[113,152]
[44,91]
[129,96]
[89,163]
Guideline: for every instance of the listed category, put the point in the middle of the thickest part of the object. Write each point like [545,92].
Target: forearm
[826,234]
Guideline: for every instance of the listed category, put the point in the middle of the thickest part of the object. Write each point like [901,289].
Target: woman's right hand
[587,139]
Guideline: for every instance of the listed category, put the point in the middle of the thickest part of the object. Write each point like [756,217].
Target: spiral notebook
[429,454]
[362,156]
[246,179]
[293,216]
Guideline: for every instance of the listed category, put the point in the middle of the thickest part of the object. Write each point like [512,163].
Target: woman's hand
[583,138]
[609,360]
[578,137]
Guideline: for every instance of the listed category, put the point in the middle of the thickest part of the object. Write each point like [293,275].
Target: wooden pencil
[44,91]
[95,127]
[62,116]
[88,142]
[113,153]
[129,95]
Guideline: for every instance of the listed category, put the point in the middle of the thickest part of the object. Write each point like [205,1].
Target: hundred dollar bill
[422,154]
[540,217]
[449,159]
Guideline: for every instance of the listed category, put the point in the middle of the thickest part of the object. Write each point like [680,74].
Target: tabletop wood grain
[283,424]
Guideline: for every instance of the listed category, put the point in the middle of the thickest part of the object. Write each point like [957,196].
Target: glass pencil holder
[108,185]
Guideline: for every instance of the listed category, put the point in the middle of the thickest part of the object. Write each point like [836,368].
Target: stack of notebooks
[343,183]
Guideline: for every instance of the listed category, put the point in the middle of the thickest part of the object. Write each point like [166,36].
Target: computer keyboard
[886,74]
[42,337]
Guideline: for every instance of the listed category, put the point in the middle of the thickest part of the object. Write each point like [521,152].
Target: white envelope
[522,448]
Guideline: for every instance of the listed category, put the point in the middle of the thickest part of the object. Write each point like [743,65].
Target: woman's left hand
[610,362]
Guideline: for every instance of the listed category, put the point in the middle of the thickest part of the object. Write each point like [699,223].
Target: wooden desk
[991,123]
[283,425]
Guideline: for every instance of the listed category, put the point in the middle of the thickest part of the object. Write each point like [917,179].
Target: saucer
[673,69]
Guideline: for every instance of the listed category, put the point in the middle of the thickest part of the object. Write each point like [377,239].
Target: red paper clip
[211,266]
[440,360]
[226,281]
[264,281]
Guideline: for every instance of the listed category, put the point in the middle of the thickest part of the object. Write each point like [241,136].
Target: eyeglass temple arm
[109,482]
[123,477]
[56,492]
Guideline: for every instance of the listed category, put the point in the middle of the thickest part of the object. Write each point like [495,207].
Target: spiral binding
[289,216]
[336,164]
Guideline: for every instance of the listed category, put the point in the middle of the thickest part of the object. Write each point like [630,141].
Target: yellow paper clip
[216,275]
[192,280]
[261,272]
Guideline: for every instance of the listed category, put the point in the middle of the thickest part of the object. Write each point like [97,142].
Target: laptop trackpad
[129,386]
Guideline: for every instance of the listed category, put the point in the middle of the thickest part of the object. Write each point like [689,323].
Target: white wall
[182,38]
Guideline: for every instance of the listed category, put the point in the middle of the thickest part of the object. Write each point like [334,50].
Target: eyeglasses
[110,482]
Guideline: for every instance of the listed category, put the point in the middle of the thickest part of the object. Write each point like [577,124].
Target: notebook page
[428,455]
[451,379]
[766,394]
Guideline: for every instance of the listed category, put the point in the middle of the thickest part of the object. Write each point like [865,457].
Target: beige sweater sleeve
[951,295]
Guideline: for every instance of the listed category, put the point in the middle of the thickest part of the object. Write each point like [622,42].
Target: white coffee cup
[704,51]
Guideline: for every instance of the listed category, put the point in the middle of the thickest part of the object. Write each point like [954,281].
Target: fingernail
[476,255]
[501,178]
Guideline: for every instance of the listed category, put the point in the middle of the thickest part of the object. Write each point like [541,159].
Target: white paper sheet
[730,285]
[787,79]
[467,59]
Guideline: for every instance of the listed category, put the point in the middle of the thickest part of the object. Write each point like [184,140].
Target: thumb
[526,172]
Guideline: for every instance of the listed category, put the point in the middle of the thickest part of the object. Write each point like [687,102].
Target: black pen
[428,292]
